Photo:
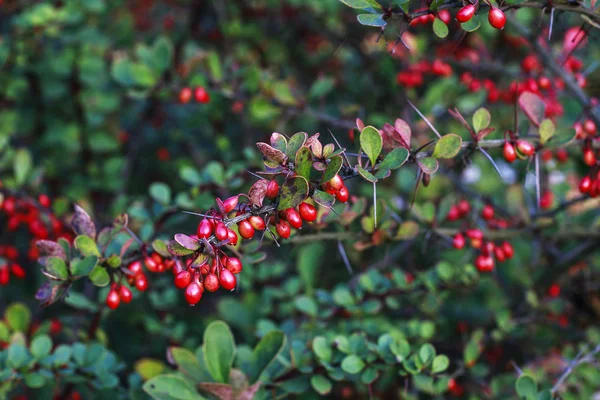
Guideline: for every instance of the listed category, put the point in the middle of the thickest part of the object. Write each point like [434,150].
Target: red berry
[466,13]
[562,155]
[474,234]
[484,263]
[125,294]
[232,236]
[546,200]
[211,283]
[204,229]
[246,229]
[499,254]
[308,212]
[272,190]
[464,207]
[510,154]
[525,148]
[193,293]
[113,299]
[453,213]
[458,241]
[230,203]
[444,16]
[336,182]
[585,184]
[185,95]
[342,195]
[509,252]
[496,18]
[44,200]
[183,279]
[221,231]
[283,229]
[135,267]
[257,222]
[293,217]
[227,279]
[141,283]
[17,271]
[554,290]
[201,95]
[589,158]
[55,326]
[544,82]
[234,265]
[151,264]
[589,127]
[488,212]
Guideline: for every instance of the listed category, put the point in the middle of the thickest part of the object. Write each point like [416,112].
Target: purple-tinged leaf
[257,192]
[126,246]
[428,165]
[187,242]
[82,224]
[533,106]
[279,142]
[328,149]
[458,116]
[293,192]
[312,139]
[359,124]
[323,198]
[404,131]
[50,248]
[319,166]
[53,293]
[178,250]
[271,153]
[391,138]
[220,205]
[317,148]
[484,132]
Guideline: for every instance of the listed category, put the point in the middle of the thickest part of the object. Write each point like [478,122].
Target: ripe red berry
[185,95]
[546,200]
[141,283]
[17,271]
[232,236]
[509,252]
[201,95]
[204,229]
[525,148]
[234,265]
[308,212]
[554,290]
[283,229]
[227,279]
[113,299]
[211,283]
[510,154]
[272,190]
[135,267]
[488,212]
[458,241]
[125,294]
[466,13]
[544,82]
[246,229]
[55,326]
[293,217]
[336,182]
[444,16]
[496,18]
[464,207]
[589,127]
[151,264]
[484,263]
[230,203]
[562,155]
[453,213]
[342,195]
[257,222]
[193,293]
[183,279]
[499,254]
[585,184]
[589,158]
[44,200]
[474,234]
[221,231]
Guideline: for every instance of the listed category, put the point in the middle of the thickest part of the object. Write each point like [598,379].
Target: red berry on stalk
[183,279]
[453,213]
[589,158]
[308,212]
[509,252]
[589,127]
[464,207]
[257,222]
[554,290]
[246,229]
[499,254]
[135,267]
[44,200]
[458,242]
[293,217]
[204,229]
[585,184]
[141,283]
[484,263]
[17,271]
[496,18]
[510,154]
[211,283]
[283,229]
[113,299]
[342,195]
[201,95]
[488,212]
[525,148]
[444,16]
[230,203]
[185,95]
[272,190]
[227,279]
[234,265]
[193,293]
[232,236]
[474,234]
[125,294]
[466,13]
[546,200]
[336,182]
[151,264]
[221,231]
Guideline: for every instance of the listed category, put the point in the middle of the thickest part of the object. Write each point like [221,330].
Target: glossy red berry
[585,184]
[293,217]
[496,18]
[487,212]
[484,263]
[453,213]
[193,293]
[125,294]
[466,13]
[234,265]
[135,267]
[204,229]
[458,242]
[283,229]
[246,229]
[151,264]
[589,127]
[464,207]
[554,290]
[230,203]
[257,222]
[509,252]
[546,200]
[342,195]
[232,236]
[474,234]
[444,16]
[308,212]
[525,148]
[272,190]
[185,95]
[221,231]
[336,182]
[201,95]
[183,279]
[510,154]
[44,200]
[499,254]
[17,271]
[227,279]
[113,299]
[141,283]
[211,283]
[589,158]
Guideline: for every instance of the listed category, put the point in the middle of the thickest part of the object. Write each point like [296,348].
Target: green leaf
[163,53]
[188,364]
[99,276]
[545,395]
[278,141]
[371,143]
[440,28]
[265,352]
[293,192]
[371,20]
[307,305]
[121,72]
[80,302]
[295,143]
[22,166]
[321,348]
[323,198]
[447,146]
[472,25]
[41,345]
[304,162]
[481,119]
[219,350]
[160,192]
[57,268]
[361,3]
[309,260]
[215,67]
[143,75]
[283,93]
[35,380]
[366,174]
[426,353]
[321,87]
[86,246]
[18,356]
[440,364]
[428,165]
[4,332]
[18,317]
[562,138]
[170,387]
[334,166]
[148,368]
[526,387]
[394,159]
[321,384]
[352,364]
[546,130]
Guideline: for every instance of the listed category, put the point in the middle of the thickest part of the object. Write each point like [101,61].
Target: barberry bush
[299,199]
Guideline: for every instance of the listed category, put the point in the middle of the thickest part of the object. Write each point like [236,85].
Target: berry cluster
[337,188]
[200,95]
[590,184]
[488,250]
[116,294]
[10,253]
[517,148]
